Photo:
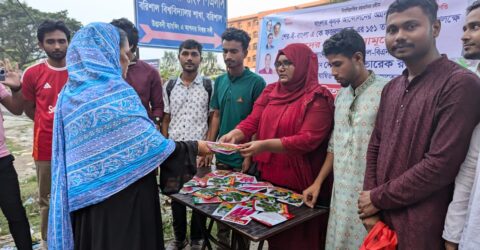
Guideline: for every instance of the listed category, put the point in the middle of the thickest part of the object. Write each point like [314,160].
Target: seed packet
[293,199]
[189,190]
[257,184]
[223,148]
[265,206]
[278,192]
[244,179]
[199,200]
[196,182]
[262,196]
[269,218]
[251,190]
[219,173]
[239,215]
[206,193]
[234,196]
[221,181]
[223,209]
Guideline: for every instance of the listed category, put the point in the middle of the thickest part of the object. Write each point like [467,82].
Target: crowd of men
[403,152]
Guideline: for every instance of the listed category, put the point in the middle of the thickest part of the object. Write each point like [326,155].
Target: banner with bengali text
[315,25]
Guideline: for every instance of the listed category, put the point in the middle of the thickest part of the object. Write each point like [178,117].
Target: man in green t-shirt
[232,101]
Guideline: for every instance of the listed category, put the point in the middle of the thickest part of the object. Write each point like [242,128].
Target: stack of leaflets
[241,197]
[223,148]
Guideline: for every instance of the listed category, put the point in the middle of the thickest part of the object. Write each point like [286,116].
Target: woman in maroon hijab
[293,119]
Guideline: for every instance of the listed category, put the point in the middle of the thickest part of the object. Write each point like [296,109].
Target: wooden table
[254,230]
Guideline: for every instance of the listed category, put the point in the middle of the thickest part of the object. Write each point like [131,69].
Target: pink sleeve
[3,92]
[316,128]
[249,125]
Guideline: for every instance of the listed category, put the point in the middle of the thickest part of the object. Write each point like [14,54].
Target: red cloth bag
[380,238]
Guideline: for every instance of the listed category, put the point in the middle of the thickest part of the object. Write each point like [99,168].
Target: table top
[254,230]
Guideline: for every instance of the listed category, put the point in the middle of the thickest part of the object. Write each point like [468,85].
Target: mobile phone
[2,74]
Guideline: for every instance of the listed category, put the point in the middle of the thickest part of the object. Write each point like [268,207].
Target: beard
[56,55]
[474,55]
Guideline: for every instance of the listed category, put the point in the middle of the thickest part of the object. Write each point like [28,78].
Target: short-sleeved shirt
[41,84]
[234,98]
[188,109]
[147,83]
[3,145]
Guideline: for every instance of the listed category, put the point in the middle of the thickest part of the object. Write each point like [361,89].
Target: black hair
[190,44]
[429,7]
[234,34]
[475,5]
[270,34]
[123,37]
[347,42]
[268,54]
[130,30]
[48,26]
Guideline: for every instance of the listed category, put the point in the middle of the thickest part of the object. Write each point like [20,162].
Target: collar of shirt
[198,80]
[360,89]
[430,68]
[244,73]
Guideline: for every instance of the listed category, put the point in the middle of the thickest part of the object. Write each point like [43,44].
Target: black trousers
[179,214]
[11,204]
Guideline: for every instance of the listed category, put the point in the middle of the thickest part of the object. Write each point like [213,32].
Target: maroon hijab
[304,84]
[305,77]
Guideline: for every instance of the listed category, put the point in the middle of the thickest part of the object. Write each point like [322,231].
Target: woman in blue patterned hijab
[104,150]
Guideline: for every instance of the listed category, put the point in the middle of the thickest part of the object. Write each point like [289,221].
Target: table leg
[206,235]
[260,245]
[234,240]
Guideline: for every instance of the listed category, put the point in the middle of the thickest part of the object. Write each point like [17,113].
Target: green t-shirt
[234,98]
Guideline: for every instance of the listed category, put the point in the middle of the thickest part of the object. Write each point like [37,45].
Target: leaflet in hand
[223,148]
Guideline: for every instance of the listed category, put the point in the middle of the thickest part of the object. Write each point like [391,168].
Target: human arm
[165,124]
[458,208]
[14,101]
[156,96]
[166,113]
[310,194]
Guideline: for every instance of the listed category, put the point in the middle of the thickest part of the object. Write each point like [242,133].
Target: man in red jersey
[41,84]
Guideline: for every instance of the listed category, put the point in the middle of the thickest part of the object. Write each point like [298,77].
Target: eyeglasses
[285,63]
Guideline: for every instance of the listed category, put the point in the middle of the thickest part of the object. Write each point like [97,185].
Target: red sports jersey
[41,84]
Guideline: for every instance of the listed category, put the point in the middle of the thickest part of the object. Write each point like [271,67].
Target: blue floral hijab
[103,140]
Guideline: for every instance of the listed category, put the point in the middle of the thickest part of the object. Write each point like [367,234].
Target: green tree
[18,32]
[169,66]
[210,65]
